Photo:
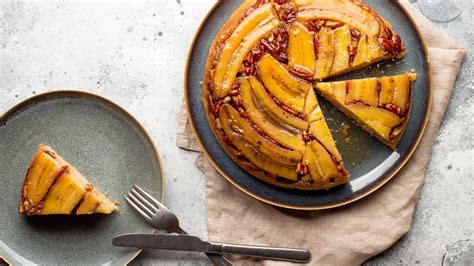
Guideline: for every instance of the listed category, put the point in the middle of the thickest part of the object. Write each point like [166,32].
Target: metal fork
[159,217]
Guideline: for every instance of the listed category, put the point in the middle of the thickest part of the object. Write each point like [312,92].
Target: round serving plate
[370,163]
[107,145]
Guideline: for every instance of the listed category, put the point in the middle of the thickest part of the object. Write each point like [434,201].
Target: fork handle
[276,253]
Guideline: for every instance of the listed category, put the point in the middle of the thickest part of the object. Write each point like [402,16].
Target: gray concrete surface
[134,54]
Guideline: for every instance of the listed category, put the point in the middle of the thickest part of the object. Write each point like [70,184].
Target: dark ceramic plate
[107,145]
[370,163]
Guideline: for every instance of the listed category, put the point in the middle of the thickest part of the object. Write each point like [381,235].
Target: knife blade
[167,242]
[195,244]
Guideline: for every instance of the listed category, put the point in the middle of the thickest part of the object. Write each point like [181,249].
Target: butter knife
[195,244]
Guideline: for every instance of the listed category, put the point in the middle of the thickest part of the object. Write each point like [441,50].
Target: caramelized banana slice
[401,93]
[41,175]
[254,27]
[311,108]
[361,56]
[342,40]
[379,120]
[64,195]
[335,90]
[290,139]
[271,108]
[288,89]
[387,89]
[318,126]
[320,130]
[325,56]
[301,49]
[363,90]
[263,145]
[252,153]
[350,13]
[395,92]
[95,202]
[322,169]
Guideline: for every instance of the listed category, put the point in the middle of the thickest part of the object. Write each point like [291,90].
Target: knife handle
[276,253]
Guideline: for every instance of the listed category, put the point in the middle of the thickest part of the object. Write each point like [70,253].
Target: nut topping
[355,33]
[301,72]
[392,43]
[285,11]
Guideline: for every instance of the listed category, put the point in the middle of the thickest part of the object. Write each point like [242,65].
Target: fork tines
[143,202]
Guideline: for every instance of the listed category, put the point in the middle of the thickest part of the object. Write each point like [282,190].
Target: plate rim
[387,177]
[55,94]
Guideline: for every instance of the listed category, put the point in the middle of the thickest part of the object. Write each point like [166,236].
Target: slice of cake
[381,106]
[53,186]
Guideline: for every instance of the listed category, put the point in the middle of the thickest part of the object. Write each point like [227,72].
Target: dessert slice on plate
[381,106]
[53,186]
[322,161]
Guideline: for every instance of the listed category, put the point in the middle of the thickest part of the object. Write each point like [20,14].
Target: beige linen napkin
[347,235]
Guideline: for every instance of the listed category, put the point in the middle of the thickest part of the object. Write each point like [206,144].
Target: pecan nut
[301,72]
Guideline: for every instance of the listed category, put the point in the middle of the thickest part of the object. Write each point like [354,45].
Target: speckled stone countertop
[134,54]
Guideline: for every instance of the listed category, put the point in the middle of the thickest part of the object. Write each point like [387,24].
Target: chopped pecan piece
[389,33]
[285,12]
[306,137]
[268,45]
[392,43]
[355,33]
[301,72]
[312,25]
[387,44]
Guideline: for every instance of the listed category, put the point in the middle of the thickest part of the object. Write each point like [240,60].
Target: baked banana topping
[53,186]
[263,69]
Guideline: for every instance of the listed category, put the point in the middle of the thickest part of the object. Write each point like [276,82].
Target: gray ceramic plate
[370,163]
[107,145]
